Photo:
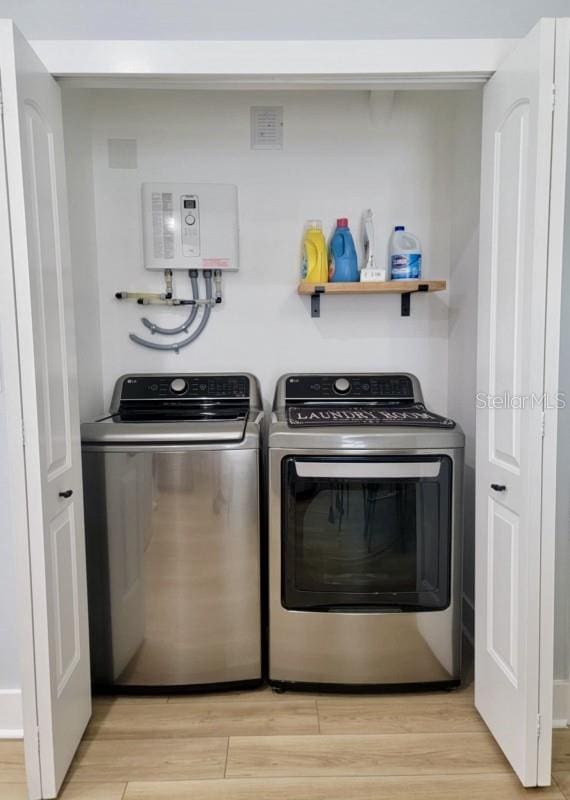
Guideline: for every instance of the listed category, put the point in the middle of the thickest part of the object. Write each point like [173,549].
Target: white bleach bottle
[405,254]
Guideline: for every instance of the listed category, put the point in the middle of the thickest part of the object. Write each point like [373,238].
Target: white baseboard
[11,714]
[561,704]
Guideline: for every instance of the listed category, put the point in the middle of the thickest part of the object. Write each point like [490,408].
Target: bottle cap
[315,223]
[400,228]
[342,222]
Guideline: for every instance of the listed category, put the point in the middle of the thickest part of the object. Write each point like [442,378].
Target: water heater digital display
[190,226]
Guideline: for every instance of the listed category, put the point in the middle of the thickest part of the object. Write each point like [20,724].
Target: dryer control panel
[382,387]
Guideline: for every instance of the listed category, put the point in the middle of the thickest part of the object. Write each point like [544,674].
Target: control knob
[178,386]
[342,385]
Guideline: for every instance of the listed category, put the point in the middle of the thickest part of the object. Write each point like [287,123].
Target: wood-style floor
[264,746]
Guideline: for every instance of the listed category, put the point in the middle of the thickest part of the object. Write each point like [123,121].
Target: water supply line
[168,282]
[176,346]
[183,328]
[146,297]
[218,285]
[144,301]
[140,296]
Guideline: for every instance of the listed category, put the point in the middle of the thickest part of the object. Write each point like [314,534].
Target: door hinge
[553,95]
[542,424]
[538,726]
[1,104]
[23,434]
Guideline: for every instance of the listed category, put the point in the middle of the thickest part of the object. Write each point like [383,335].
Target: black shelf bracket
[316,301]
[405,307]
[405,299]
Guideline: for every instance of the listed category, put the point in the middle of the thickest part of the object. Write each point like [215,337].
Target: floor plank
[440,787]
[453,697]
[563,781]
[561,750]
[92,791]
[128,699]
[403,754]
[420,714]
[149,760]
[463,694]
[12,761]
[71,791]
[13,791]
[263,694]
[179,720]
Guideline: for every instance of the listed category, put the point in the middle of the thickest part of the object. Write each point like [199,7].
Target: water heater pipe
[177,346]
[188,321]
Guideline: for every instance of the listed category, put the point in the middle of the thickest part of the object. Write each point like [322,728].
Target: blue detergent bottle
[343,264]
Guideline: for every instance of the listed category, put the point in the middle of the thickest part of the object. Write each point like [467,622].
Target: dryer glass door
[365,532]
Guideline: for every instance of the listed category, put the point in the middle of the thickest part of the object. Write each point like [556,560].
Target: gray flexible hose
[189,339]
[189,320]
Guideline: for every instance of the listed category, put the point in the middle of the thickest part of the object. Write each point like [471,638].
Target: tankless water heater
[190,226]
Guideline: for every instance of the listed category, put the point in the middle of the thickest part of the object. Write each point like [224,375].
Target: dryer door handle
[366,470]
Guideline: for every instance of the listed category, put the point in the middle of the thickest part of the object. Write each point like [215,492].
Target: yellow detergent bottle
[314,268]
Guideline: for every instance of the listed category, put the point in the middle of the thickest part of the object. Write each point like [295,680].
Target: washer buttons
[342,385]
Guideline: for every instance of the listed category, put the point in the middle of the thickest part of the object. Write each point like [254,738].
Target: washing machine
[171,483]
[365,520]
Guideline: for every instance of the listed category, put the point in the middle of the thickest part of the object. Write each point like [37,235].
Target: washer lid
[112,430]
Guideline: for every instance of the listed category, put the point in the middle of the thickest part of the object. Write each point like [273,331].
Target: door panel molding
[502,606]
[65,614]
[56,415]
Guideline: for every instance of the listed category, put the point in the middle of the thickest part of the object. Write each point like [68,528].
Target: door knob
[498,487]
[66,494]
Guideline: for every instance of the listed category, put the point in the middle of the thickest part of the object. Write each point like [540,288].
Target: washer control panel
[379,387]
[210,387]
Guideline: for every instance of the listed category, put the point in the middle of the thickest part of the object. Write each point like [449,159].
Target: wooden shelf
[404,288]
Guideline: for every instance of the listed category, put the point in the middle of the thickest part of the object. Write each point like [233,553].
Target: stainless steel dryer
[365,511]
[171,477]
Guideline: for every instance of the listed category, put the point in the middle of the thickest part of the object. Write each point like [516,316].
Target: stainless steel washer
[365,510]
[171,479]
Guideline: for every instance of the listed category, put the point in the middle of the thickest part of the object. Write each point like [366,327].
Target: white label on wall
[267,127]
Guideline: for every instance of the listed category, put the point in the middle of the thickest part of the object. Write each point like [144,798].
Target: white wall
[259,19]
[464,223]
[82,226]
[335,163]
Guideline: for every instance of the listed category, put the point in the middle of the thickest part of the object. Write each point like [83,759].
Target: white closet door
[513,656]
[53,528]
